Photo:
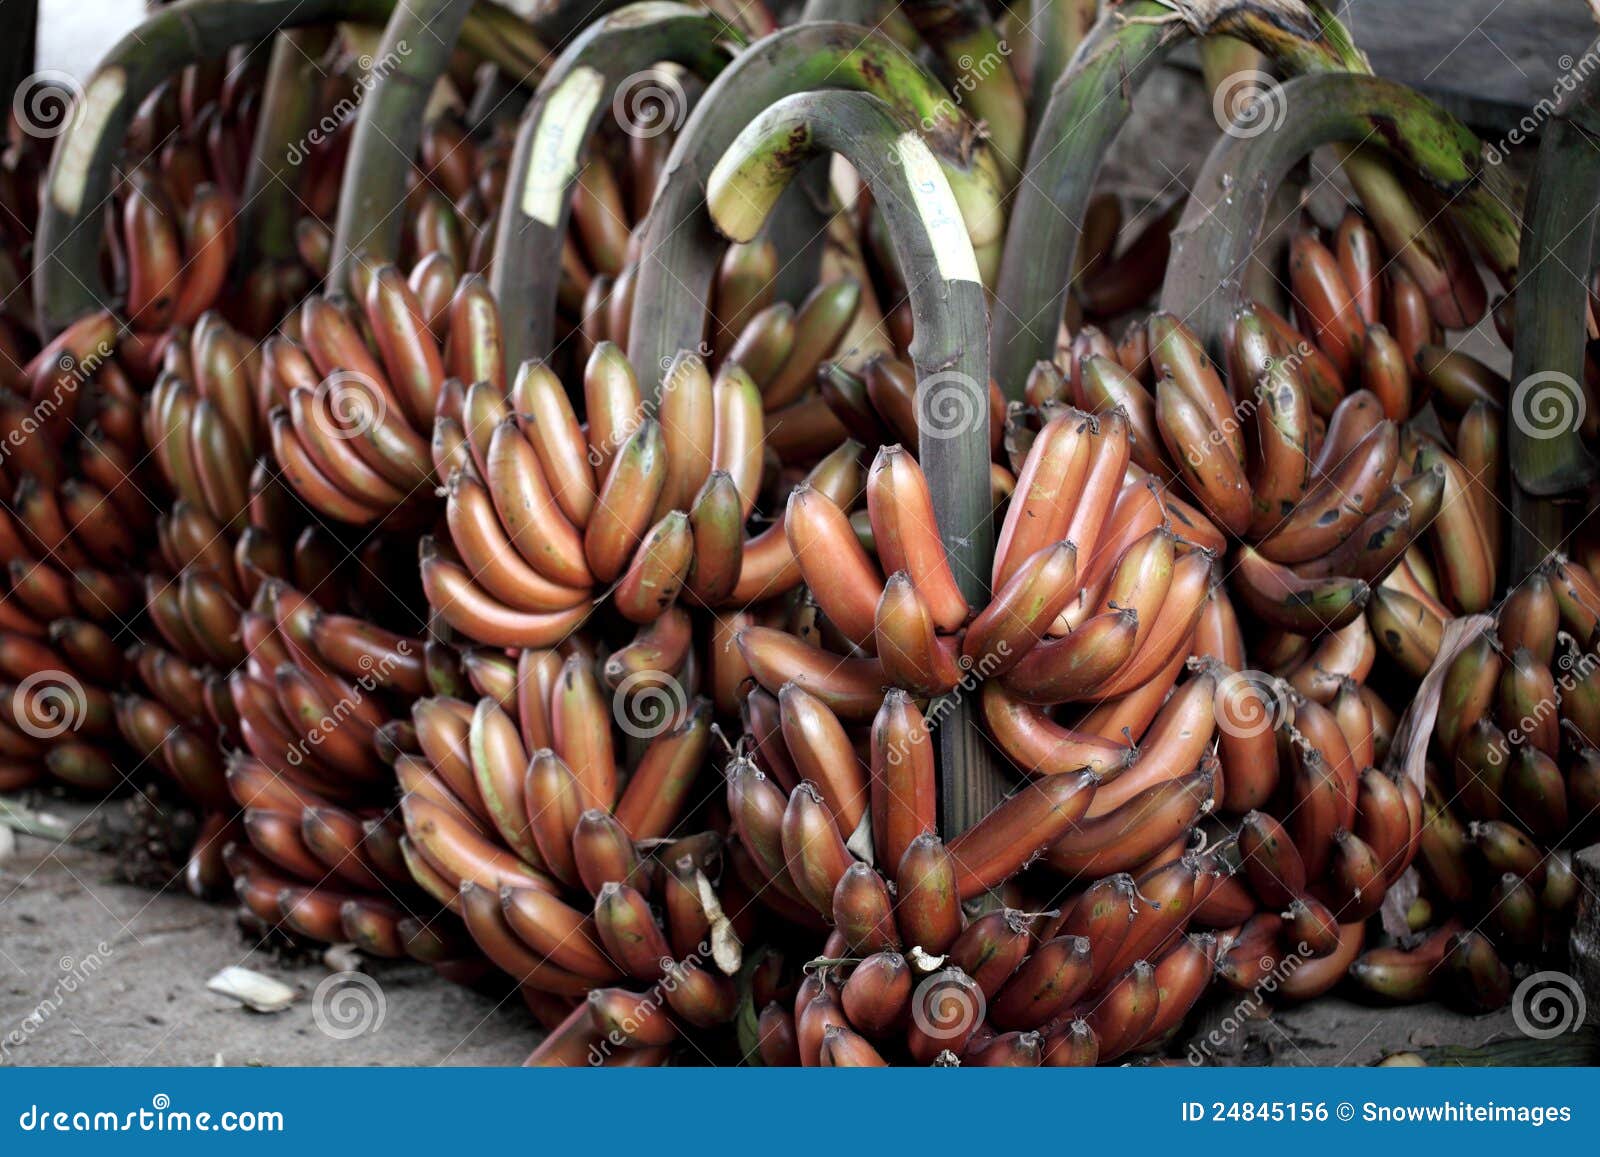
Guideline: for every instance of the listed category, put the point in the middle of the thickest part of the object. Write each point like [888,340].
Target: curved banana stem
[950,351]
[1551,302]
[977,63]
[1213,243]
[553,139]
[1055,28]
[1091,103]
[269,210]
[67,280]
[416,47]
[680,251]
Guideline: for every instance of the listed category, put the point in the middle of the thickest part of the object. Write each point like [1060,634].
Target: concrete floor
[98,972]
[94,971]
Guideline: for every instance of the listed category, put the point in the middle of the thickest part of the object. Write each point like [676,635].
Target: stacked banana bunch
[1513,780]
[451,203]
[1335,503]
[638,504]
[71,537]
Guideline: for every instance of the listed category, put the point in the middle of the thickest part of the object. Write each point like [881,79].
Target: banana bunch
[557,845]
[318,707]
[545,514]
[349,420]
[1513,778]
[172,228]
[1327,513]
[451,202]
[69,540]
[904,975]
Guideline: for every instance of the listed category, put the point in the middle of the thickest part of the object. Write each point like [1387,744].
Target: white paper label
[936,205]
[77,150]
[562,130]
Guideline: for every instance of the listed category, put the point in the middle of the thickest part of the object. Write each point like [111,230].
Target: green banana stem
[553,140]
[67,279]
[1215,240]
[503,38]
[950,352]
[269,210]
[977,64]
[1548,457]
[1056,28]
[679,254]
[415,50]
[1093,100]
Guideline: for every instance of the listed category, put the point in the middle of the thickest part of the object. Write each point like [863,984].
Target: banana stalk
[68,283]
[1091,103]
[552,142]
[1055,28]
[416,48]
[950,351]
[1214,242]
[269,209]
[1549,458]
[680,252]
[976,62]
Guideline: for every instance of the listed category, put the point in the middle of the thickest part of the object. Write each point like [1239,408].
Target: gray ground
[142,999]
[98,972]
